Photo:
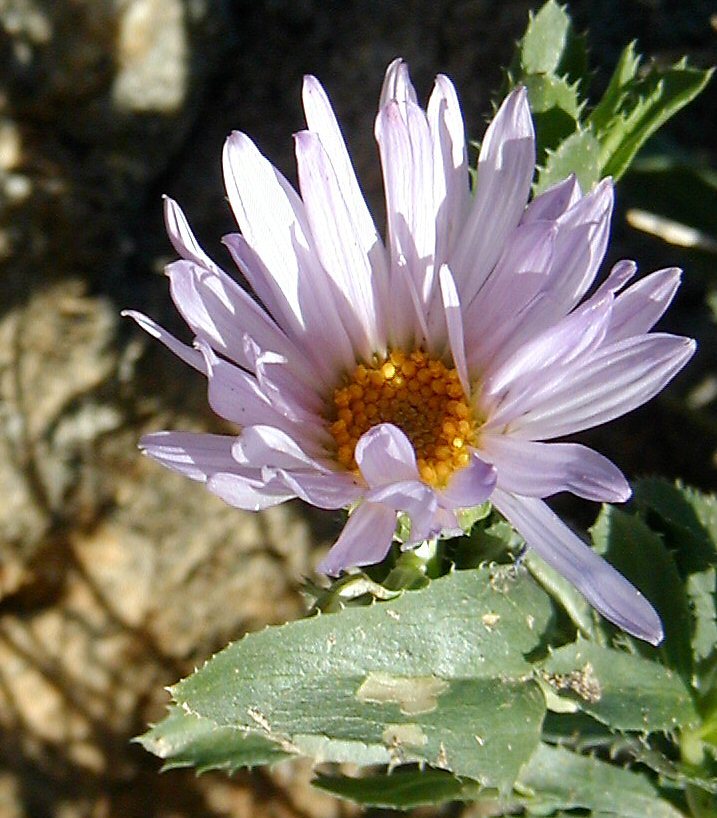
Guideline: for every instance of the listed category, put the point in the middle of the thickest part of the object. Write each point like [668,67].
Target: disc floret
[419,394]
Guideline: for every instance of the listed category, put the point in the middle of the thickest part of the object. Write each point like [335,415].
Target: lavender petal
[601,585]
[365,540]
[542,469]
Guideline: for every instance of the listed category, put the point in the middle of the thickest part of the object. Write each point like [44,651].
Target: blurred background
[116,577]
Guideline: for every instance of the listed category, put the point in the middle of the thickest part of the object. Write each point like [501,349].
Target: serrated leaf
[612,100]
[437,675]
[555,107]
[701,804]
[623,691]
[491,540]
[702,591]
[186,740]
[545,40]
[639,553]
[689,519]
[556,779]
[564,592]
[468,517]
[579,154]
[583,734]
[675,772]
[579,732]
[638,106]
[404,788]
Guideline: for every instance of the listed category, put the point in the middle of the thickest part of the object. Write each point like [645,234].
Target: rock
[152,55]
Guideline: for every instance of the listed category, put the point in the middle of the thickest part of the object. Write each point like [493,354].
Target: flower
[422,375]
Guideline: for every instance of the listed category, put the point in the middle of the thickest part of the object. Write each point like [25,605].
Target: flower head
[421,375]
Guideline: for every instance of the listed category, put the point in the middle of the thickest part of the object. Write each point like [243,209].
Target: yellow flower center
[417,393]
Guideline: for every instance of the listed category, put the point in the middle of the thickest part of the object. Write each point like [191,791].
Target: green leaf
[640,554]
[579,154]
[468,517]
[635,107]
[567,596]
[491,540]
[437,675]
[556,779]
[404,788]
[542,46]
[583,734]
[187,740]
[555,107]
[702,591]
[677,773]
[623,691]
[553,779]
[352,589]
[689,519]
[701,804]
[612,101]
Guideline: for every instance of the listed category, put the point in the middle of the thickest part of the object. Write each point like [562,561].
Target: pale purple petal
[618,378]
[498,343]
[250,493]
[235,394]
[185,353]
[619,275]
[505,172]
[194,454]
[273,222]
[320,119]
[260,279]
[641,306]
[218,310]
[494,321]
[421,503]
[385,455]
[397,85]
[601,585]
[407,161]
[541,469]
[451,191]
[294,395]
[580,245]
[365,540]
[443,523]
[551,204]
[339,246]
[269,224]
[471,485]
[582,233]
[335,490]
[182,237]
[261,445]
[563,343]
[454,324]
[411,496]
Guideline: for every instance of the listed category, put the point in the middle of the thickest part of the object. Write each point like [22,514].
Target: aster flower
[424,374]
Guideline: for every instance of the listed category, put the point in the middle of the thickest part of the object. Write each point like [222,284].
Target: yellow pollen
[417,393]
